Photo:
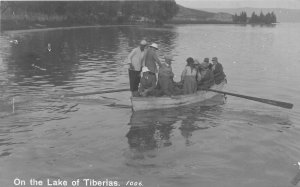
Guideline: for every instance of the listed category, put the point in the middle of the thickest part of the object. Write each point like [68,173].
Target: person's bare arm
[183,74]
[144,58]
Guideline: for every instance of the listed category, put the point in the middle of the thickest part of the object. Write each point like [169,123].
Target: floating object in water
[49,47]
[14,41]
[42,69]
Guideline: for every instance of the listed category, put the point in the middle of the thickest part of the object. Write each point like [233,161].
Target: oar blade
[267,101]
[280,104]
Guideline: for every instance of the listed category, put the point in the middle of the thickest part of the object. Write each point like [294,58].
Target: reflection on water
[153,130]
[149,131]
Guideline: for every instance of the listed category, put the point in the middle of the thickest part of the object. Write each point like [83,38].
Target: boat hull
[149,103]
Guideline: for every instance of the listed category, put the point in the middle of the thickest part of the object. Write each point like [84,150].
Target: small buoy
[298,164]
[43,69]
[14,41]
[49,47]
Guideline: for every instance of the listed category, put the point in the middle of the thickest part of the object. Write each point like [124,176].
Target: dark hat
[190,60]
[214,59]
[206,60]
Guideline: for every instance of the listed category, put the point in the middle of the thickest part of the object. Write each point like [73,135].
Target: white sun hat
[154,45]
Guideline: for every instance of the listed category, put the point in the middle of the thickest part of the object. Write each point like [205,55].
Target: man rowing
[205,78]
[136,59]
[218,71]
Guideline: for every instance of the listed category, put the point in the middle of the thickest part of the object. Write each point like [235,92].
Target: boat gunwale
[176,97]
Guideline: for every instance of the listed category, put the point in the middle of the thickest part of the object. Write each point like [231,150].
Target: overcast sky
[198,4]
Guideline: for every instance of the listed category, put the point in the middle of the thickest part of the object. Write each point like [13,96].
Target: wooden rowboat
[149,103]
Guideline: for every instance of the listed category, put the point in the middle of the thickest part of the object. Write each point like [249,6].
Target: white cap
[143,42]
[145,69]
[154,45]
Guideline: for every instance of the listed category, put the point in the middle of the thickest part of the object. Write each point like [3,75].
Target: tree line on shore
[36,14]
[268,18]
[87,12]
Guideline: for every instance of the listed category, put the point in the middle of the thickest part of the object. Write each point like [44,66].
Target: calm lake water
[239,143]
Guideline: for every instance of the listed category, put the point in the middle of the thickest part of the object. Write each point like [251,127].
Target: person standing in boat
[165,76]
[147,84]
[217,68]
[188,77]
[205,77]
[151,60]
[136,59]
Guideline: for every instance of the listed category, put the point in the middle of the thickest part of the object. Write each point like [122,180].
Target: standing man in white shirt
[136,59]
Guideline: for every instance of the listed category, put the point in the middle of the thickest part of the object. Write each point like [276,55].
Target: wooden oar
[97,92]
[267,101]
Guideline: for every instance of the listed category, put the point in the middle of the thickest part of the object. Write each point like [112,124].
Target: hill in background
[188,15]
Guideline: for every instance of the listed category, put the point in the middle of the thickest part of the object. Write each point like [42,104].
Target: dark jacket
[207,81]
[165,79]
[219,74]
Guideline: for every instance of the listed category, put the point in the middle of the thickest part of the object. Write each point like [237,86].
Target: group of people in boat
[149,76]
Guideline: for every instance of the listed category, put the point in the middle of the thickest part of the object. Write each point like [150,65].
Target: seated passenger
[206,61]
[147,83]
[196,64]
[165,77]
[205,77]
[188,77]
[217,68]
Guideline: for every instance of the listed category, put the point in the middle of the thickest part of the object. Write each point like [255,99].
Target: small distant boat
[149,103]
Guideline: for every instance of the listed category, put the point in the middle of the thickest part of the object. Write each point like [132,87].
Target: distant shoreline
[38,27]
[63,28]
[45,28]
